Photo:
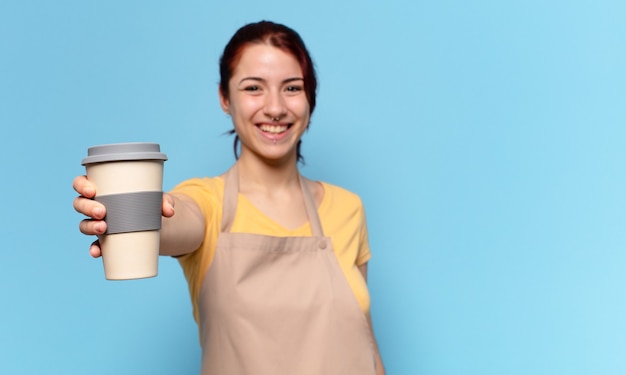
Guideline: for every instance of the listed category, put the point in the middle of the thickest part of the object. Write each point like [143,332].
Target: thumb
[168,205]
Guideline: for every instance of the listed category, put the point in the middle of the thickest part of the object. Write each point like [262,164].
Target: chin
[277,157]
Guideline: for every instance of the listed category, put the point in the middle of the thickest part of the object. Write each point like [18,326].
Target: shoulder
[202,189]
[339,193]
[340,201]
[200,183]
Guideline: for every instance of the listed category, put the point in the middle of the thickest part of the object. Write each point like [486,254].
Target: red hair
[276,35]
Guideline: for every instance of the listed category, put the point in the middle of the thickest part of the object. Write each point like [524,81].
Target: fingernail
[100,227]
[88,190]
[98,212]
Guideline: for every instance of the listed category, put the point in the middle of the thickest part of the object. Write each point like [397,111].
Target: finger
[83,187]
[92,227]
[94,249]
[168,205]
[89,207]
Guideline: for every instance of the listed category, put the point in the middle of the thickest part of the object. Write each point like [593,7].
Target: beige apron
[280,305]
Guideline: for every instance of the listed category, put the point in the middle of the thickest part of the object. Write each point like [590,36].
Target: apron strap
[311,208]
[231,194]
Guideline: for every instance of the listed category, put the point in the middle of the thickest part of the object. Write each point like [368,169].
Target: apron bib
[279,305]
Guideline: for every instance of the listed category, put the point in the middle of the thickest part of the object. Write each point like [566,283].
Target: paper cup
[128,178]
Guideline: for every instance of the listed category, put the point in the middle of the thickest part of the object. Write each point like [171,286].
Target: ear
[224,102]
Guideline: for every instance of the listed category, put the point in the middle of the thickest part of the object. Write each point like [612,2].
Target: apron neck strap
[231,194]
[311,208]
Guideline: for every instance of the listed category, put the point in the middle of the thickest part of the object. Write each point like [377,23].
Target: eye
[252,88]
[294,88]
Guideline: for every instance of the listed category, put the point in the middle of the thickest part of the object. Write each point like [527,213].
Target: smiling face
[268,104]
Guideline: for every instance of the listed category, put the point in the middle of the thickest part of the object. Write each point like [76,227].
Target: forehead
[264,60]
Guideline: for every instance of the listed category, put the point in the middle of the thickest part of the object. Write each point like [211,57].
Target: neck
[257,174]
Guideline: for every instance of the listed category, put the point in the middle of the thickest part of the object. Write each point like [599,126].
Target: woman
[274,261]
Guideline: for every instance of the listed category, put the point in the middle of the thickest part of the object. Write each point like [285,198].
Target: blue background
[487,140]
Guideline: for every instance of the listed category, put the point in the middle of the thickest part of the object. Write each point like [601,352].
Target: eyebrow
[259,79]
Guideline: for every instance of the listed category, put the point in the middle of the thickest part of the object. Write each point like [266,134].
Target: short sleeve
[364,254]
[203,191]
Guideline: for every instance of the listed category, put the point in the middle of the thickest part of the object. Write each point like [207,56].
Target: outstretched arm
[182,229]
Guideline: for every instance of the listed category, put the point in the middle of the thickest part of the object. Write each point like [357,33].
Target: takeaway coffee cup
[128,178]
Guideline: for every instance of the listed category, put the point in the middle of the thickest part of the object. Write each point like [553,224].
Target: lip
[274,137]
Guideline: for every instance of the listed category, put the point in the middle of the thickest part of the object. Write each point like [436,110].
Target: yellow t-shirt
[341,214]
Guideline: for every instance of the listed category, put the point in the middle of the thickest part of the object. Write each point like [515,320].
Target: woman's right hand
[95,212]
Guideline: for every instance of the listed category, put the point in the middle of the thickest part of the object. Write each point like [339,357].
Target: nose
[274,105]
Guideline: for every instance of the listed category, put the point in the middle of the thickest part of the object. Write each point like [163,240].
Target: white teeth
[274,129]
